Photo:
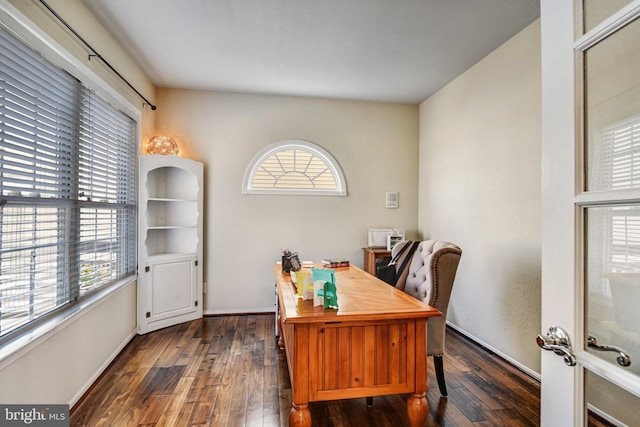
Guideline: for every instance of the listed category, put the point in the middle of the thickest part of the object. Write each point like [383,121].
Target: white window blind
[614,231]
[616,157]
[294,167]
[67,188]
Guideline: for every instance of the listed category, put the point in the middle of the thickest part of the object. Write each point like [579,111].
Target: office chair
[430,279]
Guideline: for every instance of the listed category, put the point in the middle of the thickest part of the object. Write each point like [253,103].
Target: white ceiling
[379,50]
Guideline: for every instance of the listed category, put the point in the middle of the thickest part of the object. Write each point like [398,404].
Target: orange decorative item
[162,145]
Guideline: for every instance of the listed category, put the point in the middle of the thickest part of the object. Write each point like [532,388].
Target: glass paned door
[591,211]
[610,211]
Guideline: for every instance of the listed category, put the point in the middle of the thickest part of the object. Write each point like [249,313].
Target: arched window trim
[268,151]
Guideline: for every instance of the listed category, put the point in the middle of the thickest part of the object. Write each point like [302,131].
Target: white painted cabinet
[169,241]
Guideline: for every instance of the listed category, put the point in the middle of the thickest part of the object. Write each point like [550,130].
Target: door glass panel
[611,114]
[596,11]
[612,282]
[609,404]
[612,111]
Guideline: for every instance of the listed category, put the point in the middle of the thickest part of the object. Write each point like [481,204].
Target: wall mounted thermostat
[391,200]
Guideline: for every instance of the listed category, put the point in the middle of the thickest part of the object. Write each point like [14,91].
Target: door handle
[623,358]
[557,340]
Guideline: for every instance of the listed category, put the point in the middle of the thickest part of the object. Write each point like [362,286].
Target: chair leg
[437,363]
[369,401]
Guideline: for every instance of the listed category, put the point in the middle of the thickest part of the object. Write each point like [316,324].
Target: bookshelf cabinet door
[168,293]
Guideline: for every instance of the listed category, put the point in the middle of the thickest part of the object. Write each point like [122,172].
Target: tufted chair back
[430,279]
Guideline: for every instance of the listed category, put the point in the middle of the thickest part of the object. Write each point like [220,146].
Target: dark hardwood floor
[228,371]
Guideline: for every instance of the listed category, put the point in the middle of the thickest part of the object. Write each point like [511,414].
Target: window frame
[316,150]
[20,339]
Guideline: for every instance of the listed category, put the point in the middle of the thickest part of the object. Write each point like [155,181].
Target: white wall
[480,187]
[375,144]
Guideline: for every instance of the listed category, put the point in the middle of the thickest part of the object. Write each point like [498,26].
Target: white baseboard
[75,398]
[217,311]
[512,361]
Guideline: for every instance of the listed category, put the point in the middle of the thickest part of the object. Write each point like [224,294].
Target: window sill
[22,344]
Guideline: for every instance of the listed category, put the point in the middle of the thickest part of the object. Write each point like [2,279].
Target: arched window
[294,167]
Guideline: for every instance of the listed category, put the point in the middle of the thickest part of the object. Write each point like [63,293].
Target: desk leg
[300,416]
[417,409]
[280,335]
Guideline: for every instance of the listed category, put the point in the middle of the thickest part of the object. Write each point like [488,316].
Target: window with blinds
[294,167]
[67,188]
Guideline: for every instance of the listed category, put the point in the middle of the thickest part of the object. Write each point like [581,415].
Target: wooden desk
[371,255]
[374,344]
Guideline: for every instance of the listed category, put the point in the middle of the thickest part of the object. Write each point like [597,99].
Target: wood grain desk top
[361,296]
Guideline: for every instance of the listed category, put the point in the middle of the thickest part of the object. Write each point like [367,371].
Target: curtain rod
[95,53]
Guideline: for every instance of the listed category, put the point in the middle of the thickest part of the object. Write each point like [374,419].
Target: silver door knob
[557,340]
[623,358]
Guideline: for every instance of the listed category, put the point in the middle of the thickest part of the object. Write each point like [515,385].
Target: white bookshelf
[170,241]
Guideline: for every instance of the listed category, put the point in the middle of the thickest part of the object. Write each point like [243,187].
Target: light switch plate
[391,199]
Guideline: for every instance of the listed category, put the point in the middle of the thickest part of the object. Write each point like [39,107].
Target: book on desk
[335,262]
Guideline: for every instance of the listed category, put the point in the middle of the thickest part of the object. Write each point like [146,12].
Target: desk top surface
[361,296]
